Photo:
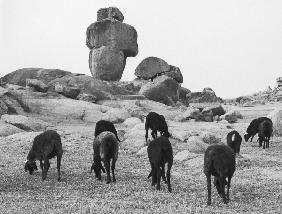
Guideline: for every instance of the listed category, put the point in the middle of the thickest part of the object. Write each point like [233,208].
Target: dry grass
[256,186]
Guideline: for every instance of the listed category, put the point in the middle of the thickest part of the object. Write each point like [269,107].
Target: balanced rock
[151,67]
[113,33]
[107,63]
[162,89]
[110,12]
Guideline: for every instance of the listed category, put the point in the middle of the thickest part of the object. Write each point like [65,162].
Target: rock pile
[110,42]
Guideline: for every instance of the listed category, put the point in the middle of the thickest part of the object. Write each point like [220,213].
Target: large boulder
[20,76]
[113,33]
[196,145]
[107,63]
[37,85]
[134,139]
[276,117]
[110,12]
[162,89]
[67,91]
[150,67]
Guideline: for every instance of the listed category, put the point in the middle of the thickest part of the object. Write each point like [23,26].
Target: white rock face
[276,117]
[184,155]
[134,139]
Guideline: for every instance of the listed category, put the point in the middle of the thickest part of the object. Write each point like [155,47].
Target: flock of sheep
[219,159]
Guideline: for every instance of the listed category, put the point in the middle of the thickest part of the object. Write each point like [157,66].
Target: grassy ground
[255,188]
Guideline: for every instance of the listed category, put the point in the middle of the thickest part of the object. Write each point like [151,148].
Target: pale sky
[234,47]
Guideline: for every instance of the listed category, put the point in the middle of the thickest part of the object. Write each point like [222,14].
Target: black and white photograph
[122,106]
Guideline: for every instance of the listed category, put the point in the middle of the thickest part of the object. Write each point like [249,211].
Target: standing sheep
[219,161]
[156,123]
[159,153]
[252,129]
[45,146]
[105,148]
[104,125]
[234,140]
[264,133]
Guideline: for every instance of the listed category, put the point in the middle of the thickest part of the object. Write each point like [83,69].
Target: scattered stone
[67,91]
[132,121]
[87,97]
[184,155]
[196,145]
[8,129]
[210,138]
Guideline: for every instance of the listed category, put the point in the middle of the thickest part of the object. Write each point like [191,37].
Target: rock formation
[110,42]
[152,67]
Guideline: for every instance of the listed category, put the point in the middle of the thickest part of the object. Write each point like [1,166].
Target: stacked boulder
[206,96]
[110,42]
[165,80]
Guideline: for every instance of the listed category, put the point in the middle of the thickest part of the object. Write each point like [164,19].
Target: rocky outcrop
[20,76]
[110,12]
[217,110]
[24,123]
[162,89]
[110,42]
[151,67]
[37,85]
[206,96]
[107,63]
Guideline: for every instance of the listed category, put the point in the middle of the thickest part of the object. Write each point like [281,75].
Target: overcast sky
[234,47]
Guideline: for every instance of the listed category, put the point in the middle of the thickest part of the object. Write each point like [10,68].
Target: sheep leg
[263,144]
[267,143]
[209,188]
[168,177]
[45,168]
[228,187]
[113,169]
[107,166]
[252,138]
[41,165]
[146,135]
[222,187]
[163,173]
[59,158]
[153,171]
[159,173]
[153,135]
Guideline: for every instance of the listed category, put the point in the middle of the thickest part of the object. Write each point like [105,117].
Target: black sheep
[156,123]
[252,129]
[45,146]
[104,125]
[105,148]
[159,153]
[234,140]
[219,161]
[264,133]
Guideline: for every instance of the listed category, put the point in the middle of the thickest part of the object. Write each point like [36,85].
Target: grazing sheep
[157,123]
[234,140]
[252,129]
[45,146]
[219,161]
[104,125]
[264,133]
[105,148]
[159,153]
